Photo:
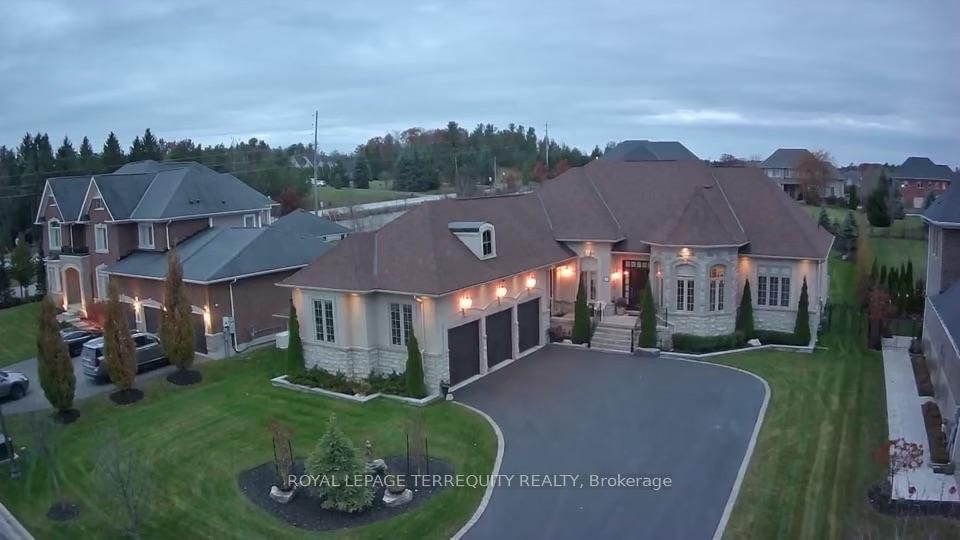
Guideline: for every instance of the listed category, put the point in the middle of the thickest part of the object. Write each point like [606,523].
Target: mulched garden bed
[880,500]
[185,378]
[63,511]
[305,512]
[66,417]
[922,375]
[126,397]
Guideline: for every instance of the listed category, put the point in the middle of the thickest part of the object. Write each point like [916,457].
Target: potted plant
[620,306]
[444,388]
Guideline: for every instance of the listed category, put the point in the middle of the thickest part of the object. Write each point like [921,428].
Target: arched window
[685,287]
[53,235]
[717,275]
[486,242]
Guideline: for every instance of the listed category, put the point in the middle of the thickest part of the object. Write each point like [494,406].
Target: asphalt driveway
[566,411]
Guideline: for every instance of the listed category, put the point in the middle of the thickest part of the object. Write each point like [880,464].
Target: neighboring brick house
[918,177]
[782,167]
[941,316]
[480,280]
[143,210]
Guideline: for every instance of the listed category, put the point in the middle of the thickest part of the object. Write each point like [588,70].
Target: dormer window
[479,236]
[96,203]
[145,233]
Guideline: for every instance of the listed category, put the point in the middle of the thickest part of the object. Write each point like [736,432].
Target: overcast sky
[867,80]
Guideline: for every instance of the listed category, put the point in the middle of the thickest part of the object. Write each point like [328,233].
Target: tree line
[415,159]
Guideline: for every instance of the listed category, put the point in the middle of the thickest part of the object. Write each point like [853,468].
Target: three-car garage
[463,341]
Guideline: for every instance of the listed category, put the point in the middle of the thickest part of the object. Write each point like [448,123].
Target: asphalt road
[566,411]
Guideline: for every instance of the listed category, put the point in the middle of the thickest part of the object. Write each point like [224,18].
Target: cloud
[866,81]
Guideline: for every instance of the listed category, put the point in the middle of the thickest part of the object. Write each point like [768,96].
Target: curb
[496,470]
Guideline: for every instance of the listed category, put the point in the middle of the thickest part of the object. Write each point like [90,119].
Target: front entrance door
[635,276]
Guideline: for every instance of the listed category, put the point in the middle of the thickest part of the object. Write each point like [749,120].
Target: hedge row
[689,343]
[394,384]
[769,337]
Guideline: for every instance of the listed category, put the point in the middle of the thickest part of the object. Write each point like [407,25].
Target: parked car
[13,384]
[75,338]
[148,352]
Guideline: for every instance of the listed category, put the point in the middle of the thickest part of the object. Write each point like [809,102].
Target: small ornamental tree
[41,275]
[878,214]
[414,370]
[744,323]
[176,322]
[295,363]
[849,234]
[53,362]
[802,327]
[853,200]
[4,279]
[335,462]
[581,317]
[824,220]
[119,351]
[648,319]
[21,264]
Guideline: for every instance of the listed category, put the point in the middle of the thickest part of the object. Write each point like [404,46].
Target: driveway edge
[745,464]
[496,470]
[10,525]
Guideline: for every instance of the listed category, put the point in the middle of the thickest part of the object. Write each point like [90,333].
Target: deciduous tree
[124,481]
[21,264]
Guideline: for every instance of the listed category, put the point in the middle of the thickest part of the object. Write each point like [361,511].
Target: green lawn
[18,330]
[199,438]
[813,461]
[332,197]
[894,252]
[892,246]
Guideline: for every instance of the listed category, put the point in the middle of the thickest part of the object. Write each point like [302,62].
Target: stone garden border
[282,382]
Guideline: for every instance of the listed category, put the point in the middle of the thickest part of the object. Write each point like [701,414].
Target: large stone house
[121,226]
[479,281]
[784,167]
[918,178]
[941,315]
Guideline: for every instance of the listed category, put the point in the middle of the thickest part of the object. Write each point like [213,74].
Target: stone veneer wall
[357,363]
[701,321]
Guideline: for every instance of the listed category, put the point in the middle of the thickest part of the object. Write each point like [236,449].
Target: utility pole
[316,159]
[546,141]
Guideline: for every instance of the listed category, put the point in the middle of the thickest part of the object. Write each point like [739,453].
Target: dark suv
[148,352]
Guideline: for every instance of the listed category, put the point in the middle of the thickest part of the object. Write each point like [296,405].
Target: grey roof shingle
[222,253]
[69,192]
[147,190]
[789,158]
[923,168]
[946,207]
[644,150]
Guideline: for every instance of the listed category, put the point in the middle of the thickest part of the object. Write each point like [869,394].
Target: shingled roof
[946,207]
[221,253]
[924,169]
[631,204]
[147,190]
[790,158]
[644,150]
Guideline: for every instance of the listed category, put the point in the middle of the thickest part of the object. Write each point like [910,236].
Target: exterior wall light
[465,303]
[501,291]
[616,275]
[566,271]
[685,253]
[531,282]
[206,318]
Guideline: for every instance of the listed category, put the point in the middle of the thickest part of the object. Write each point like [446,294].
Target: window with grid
[785,291]
[761,290]
[717,274]
[323,320]
[487,242]
[685,288]
[773,286]
[100,238]
[53,235]
[401,323]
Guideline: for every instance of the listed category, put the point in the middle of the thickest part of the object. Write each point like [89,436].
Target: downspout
[167,228]
[233,318]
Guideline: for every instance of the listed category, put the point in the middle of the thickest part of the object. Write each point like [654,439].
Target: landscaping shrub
[689,343]
[744,323]
[176,319]
[53,361]
[802,326]
[770,337]
[336,460]
[936,439]
[295,344]
[119,350]
[581,317]
[395,383]
[414,372]
[648,320]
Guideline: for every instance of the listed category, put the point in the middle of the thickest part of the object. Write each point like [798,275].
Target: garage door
[151,319]
[499,337]
[464,344]
[528,319]
[199,331]
[129,314]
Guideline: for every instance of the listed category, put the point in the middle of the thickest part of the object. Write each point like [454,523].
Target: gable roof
[221,253]
[923,167]
[946,207]
[417,253]
[69,192]
[790,158]
[148,190]
[644,150]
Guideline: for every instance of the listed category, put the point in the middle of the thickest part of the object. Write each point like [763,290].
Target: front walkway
[905,420]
